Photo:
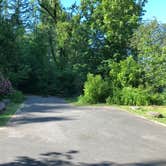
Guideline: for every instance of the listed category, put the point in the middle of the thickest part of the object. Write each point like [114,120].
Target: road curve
[48,131]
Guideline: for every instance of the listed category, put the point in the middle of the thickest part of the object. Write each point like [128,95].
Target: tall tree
[150,42]
[112,23]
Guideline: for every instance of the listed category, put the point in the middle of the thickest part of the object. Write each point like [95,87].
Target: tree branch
[48,11]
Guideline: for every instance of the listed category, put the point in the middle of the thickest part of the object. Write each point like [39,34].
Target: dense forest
[99,49]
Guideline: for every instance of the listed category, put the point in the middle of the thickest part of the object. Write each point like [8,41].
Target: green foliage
[63,83]
[16,96]
[115,98]
[157,98]
[8,113]
[134,96]
[129,96]
[113,21]
[125,73]
[150,43]
[95,90]
[8,46]
[128,86]
[49,50]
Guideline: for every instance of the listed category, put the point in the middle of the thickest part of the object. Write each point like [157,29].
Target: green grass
[143,111]
[10,110]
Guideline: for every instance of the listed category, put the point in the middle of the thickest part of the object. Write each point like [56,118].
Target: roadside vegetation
[8,113]
[10,100]
[139,80]
[147,112]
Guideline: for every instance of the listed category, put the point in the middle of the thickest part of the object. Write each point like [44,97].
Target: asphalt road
[50,132]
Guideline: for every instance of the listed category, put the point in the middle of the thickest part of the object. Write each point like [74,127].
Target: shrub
[83,100]
[134,96]
[115,98]
[16,96]
[129,96]
[157,98]
[95,90]
[125,73]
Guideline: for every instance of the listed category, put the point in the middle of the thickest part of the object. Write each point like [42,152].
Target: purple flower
[5,86]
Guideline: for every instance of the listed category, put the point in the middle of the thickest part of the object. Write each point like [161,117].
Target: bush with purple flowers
[5,86]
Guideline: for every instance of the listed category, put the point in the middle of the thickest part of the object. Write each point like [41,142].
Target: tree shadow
[37,108]
[38,104]
[44,100]
[35,120]
[67,159]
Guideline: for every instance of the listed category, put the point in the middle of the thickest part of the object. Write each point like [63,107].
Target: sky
[67,3]
[154,9]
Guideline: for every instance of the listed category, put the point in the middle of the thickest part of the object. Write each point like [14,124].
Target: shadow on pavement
[67,159]
[30,120]
[35,109]
[46,108]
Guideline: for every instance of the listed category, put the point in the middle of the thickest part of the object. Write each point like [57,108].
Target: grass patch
[10,110]
[143,111]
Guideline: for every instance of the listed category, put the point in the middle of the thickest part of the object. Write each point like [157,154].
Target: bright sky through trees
[154,8]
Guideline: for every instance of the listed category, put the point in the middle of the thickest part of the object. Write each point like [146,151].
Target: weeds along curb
[16,113]
[142,117]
